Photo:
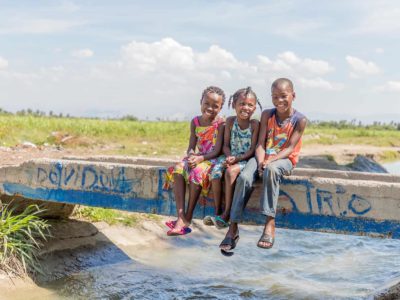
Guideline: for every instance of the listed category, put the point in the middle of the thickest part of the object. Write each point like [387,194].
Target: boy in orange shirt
[277,153]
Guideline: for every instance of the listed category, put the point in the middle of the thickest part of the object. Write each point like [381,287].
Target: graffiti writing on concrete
[86,178]
[325,202]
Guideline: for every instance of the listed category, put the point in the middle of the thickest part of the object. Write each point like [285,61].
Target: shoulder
[219,120]
[254,124]
[195,121]
[299,119]
[230,120]
[267,113]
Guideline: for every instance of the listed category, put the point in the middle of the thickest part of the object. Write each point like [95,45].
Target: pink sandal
[170,224]
[184,230]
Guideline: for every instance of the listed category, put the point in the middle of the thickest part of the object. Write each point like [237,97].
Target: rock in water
[365,164]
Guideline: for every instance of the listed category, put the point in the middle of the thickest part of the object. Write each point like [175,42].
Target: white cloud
[289,61]
[319,83]
[38,26]
[360,67]
[83,53]
[3,63]
[166,53]
[160,79]
[390,86]
[380,50]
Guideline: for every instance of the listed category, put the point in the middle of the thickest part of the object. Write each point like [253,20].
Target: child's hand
[262,165]
[230,160]
[194,160]
[261,169]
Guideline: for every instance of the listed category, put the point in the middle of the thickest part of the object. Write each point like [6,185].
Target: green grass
[387,156]
[113,217]
[360,136]
[20,239]
[130,137]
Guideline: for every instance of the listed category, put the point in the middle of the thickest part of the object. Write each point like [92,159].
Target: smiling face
[245,106]
[282,98]
[211,105]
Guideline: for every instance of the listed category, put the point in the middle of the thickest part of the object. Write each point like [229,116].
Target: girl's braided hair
[243,92]
[216,90]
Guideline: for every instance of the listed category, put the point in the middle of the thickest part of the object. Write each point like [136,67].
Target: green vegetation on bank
[21,237]
[132,137]
[113,217]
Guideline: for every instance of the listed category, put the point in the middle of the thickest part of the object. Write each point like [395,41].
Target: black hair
[245,92]
[216,90]
[281,82]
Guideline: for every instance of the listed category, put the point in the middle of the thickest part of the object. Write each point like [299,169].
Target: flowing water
[393,167]
[301,265]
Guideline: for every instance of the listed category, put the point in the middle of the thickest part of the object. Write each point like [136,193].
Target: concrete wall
[336,201]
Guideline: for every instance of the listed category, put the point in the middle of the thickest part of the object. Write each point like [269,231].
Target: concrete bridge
[310,199]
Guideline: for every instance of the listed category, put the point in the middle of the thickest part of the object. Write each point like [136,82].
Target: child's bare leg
[179,192]
[231,174]
[216,186]
[194,193]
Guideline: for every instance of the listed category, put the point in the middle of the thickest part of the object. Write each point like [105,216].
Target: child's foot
[208,221]
[184,230]
[267,239]
[220,222]
[181,227]
[230,240]
[170,224]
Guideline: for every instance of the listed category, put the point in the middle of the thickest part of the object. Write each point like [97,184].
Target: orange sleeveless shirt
[278,137]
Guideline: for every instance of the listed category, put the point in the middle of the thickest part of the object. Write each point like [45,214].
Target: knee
[245,179]
[270,170]
[229,173]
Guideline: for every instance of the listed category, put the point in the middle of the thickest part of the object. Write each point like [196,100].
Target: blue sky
[152,59]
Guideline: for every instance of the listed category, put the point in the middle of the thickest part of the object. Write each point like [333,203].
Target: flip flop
[170,224]
[219,222]
[232,242]
[208,221]
[184,230]
[266,238]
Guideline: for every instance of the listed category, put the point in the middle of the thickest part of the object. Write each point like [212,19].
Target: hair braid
[216,90]
[245,92]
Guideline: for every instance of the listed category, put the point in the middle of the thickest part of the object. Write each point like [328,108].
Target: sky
[153,59]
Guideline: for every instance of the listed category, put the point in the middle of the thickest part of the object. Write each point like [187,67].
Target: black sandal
[228,241]
[266,238]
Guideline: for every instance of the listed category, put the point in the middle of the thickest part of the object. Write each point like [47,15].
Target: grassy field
[162,138]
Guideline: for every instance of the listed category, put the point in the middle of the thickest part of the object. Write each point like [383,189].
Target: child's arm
[192,140]
[254,137]
[260,150]
[294,139]
[226,149]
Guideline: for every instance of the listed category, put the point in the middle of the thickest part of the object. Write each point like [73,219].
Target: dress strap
[196,121]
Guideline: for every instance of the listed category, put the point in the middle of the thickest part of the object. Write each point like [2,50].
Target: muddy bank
[76,246]
[392,293]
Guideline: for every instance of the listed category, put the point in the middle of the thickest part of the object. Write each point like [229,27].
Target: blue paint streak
[293,220]
[97,199]
[308,185]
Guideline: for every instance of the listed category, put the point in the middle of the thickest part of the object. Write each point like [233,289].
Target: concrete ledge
[310,199]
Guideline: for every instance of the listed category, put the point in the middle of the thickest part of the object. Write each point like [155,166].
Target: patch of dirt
[344,154]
